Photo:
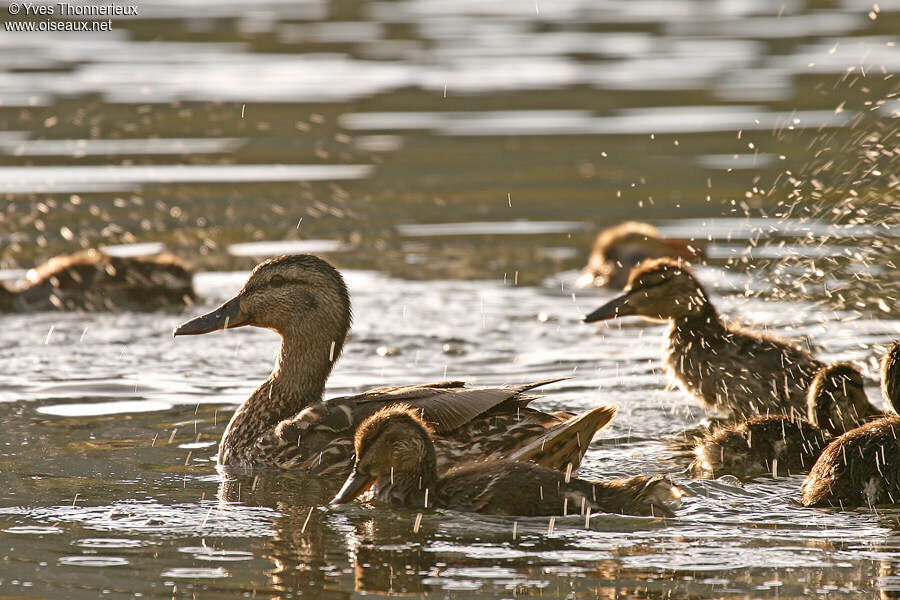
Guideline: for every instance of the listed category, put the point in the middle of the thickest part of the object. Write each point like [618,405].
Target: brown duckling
[395,453]
[94,280]
[728,368]
[285,423]
[619,249]
[781,445]
[862,466]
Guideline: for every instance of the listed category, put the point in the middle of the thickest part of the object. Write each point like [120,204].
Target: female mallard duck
[778,444]
[862,466]
[94,280]
[726,367]
[395,452]
[285,423]
[619,249]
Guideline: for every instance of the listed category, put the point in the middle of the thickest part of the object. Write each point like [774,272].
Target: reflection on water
[422,143]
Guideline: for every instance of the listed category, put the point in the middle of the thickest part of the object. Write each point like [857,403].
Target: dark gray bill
[618,307]
[225,317]
[355,485]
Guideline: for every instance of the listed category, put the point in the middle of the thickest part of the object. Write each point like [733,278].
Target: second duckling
[728,368]
[862,466]
[395,453]
[781,445]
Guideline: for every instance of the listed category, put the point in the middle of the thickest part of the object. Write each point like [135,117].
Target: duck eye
[277,281]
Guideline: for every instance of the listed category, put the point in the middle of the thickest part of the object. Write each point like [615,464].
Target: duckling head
[836,400]
[658,289]
[394,452]
[297,296]
[890,376]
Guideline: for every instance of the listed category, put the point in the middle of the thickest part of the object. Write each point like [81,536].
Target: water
[455,160]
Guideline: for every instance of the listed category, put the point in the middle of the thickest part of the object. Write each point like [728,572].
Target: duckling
[285,423]
[619,249]
[862,466]
[781,445]
[395,453]
[728,368]
[94,280]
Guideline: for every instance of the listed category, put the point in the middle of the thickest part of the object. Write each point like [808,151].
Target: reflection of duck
[285,423]
[94,280]
[862,466]
[395,453]
[836,402]
[619,249]
[726,367]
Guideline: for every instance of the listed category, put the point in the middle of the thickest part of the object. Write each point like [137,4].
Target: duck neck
[297,381]
[699,321]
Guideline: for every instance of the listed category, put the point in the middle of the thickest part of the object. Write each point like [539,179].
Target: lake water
[454,159]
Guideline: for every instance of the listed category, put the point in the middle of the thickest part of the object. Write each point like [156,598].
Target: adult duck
[726,367]
[619,249]
[395,454]
[862,466]
[94,280]
[782,445]
[285,423]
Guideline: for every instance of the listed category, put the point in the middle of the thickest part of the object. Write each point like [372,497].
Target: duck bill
[353,488]
[618,307]
[227,316]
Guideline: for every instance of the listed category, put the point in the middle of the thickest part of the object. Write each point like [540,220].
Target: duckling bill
[728,368]
[395,454]
[285,423]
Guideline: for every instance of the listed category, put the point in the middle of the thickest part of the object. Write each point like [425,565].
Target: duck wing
[320,436]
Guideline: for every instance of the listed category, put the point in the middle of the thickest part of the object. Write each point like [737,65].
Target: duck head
[619,249]
[658,289]
[890,376]
[394,452]
[836,400]
[298,295]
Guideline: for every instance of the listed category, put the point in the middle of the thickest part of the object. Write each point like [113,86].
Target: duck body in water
[862,466]
[620,248]
[395,454]
[95,281]
[730,369]
[782,445]
[285,423]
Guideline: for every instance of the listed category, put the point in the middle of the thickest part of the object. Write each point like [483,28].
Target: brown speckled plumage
[93,280]
[286,424]
[618,249]
[395,454]
[728,368]
[836,402]
[862,466]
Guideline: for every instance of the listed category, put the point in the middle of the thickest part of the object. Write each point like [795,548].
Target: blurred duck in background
[619,249]
[862,466]
[395,454]
[729,369]
[92,280]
